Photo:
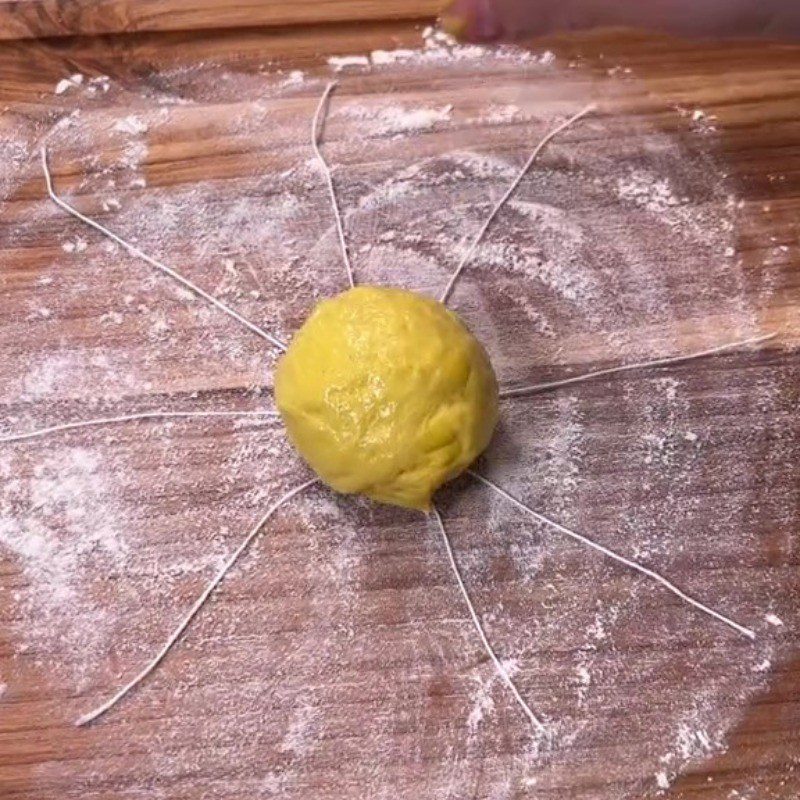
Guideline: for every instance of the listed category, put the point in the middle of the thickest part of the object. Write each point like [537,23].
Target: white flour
[58,519]
[394,119]
[113,533]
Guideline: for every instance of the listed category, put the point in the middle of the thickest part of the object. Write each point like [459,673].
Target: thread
[501,671]
[543,387]
[616,557]
[317,130]
[316,133]
[135,251]
[193,611]
[146,415]
[504,199]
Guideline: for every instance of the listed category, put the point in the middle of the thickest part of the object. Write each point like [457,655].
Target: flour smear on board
[340,643]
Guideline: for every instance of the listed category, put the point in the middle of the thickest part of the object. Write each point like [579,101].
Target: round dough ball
[386,393]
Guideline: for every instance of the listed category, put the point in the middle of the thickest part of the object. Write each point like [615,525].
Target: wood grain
[25,19]
[397,681]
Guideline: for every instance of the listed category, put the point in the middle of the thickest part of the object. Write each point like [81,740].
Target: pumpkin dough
[386,393]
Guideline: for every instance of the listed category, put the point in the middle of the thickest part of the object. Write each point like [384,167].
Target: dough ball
[386,393]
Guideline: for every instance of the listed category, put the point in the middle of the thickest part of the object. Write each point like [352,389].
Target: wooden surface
[339,661]
[24,19]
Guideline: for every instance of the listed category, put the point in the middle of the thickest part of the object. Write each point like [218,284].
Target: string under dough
[145,415]
[543,387]
[182,626]
[616,556]
[194,610]
[135,251]
[537,723]
[316,132]
[504,199]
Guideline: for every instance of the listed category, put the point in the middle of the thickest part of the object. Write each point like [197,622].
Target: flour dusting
[483,703]
[397,120]
[56,519]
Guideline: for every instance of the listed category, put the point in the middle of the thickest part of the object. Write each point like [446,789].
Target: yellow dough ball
[386,393]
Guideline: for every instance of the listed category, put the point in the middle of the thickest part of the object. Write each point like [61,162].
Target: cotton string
[176,634]
[504,199]
[611,554]
[543,387]
[316,133]
[537,723]
[135,251]
[155,415]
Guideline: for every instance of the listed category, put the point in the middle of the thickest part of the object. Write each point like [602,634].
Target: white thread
[543,387]
[315,137]
[476,621]
[89,423]
[135,251]
[611,554]
[98,712]
[504,199]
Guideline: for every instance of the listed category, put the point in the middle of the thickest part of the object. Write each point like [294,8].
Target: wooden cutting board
[24,19]
[337,660]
